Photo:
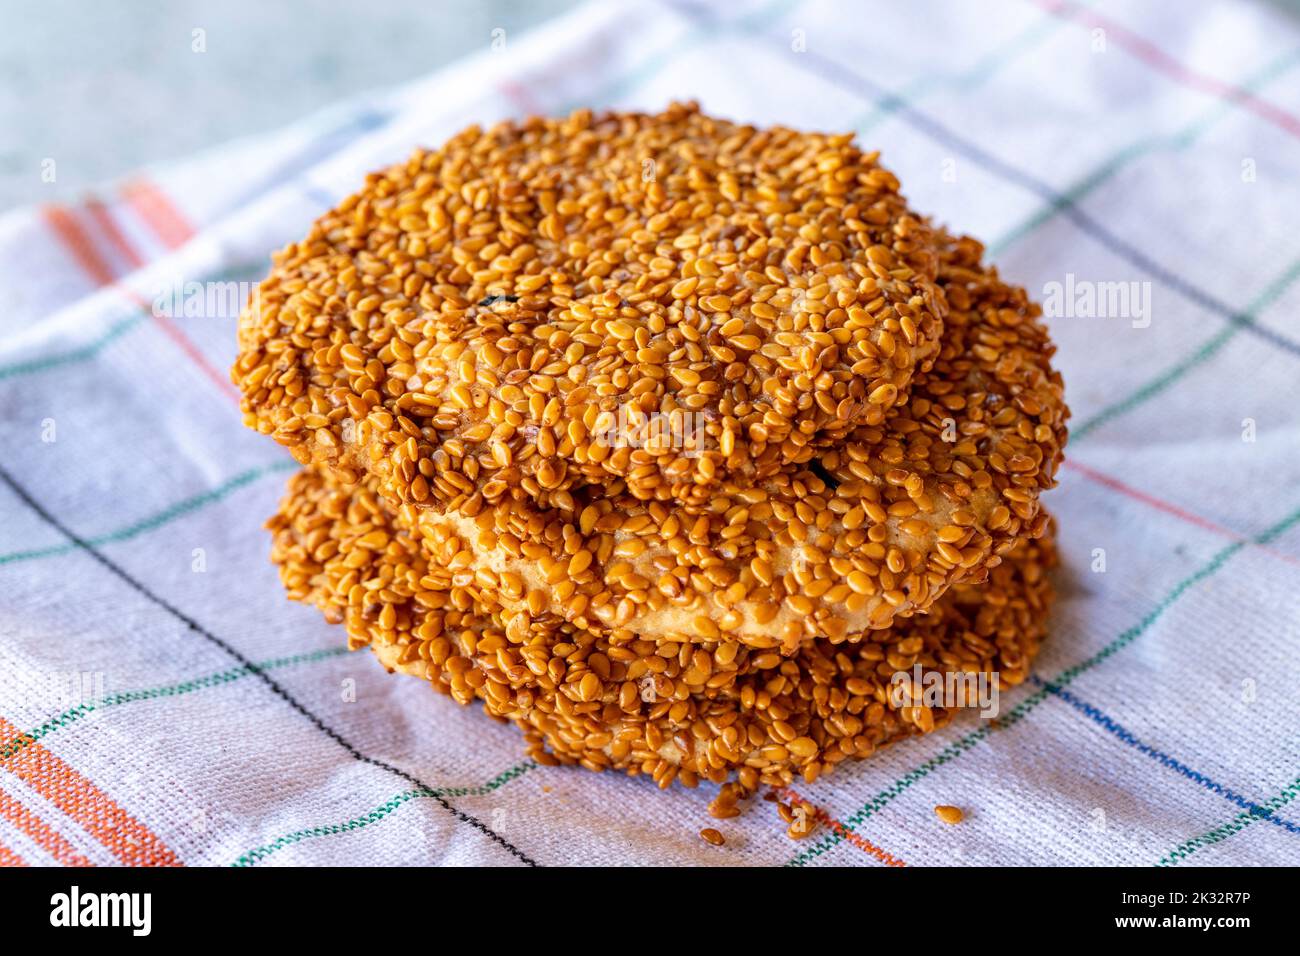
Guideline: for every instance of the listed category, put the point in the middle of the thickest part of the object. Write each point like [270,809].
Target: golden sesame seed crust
[875,527]
[669,300]
[718,710]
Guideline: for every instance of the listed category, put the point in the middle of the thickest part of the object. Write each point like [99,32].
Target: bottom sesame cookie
[685,711]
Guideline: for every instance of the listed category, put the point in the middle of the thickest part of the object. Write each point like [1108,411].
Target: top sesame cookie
[663,300]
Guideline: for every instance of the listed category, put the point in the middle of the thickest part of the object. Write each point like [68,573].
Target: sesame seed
[949,814]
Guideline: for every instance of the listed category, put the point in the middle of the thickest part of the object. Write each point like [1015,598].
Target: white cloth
[1151,143]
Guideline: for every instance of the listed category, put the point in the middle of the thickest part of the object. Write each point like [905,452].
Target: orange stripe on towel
[71,233]
[45,836]
[68,230]
[104,220]
[839,829]
[94,811]
[9,858]
[160,213]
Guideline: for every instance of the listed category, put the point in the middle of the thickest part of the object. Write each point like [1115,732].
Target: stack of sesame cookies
[682,444]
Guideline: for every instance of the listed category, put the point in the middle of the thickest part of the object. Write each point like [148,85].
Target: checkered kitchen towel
[1133,165]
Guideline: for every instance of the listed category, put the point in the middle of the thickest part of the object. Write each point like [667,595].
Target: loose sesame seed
[949,814]
[712,836]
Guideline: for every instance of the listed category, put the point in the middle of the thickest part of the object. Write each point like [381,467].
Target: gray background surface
[105,86]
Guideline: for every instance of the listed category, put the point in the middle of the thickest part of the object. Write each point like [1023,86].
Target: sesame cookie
[674,711]
[663,301]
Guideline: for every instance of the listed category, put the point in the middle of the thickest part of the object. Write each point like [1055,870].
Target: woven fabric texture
[162,703]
